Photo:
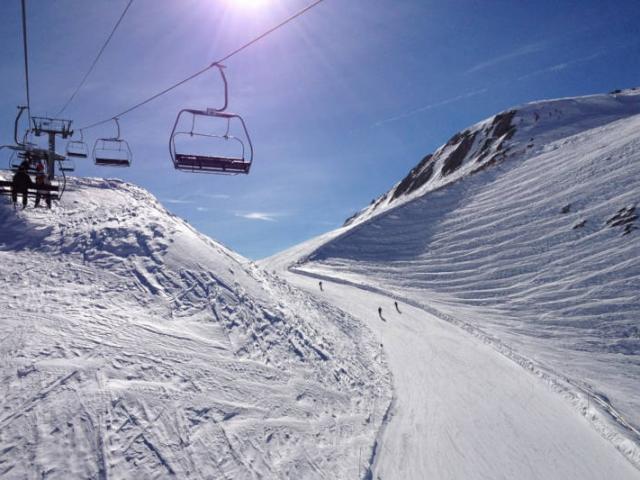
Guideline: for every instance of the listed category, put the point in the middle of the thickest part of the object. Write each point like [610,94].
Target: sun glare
[248,3]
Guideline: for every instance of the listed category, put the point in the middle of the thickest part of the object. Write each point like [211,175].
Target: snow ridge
[510,134]
[133,346]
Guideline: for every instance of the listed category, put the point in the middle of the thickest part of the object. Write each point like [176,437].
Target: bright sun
[249,3]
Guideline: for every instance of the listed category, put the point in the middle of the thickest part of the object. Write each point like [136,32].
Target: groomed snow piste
[522,231]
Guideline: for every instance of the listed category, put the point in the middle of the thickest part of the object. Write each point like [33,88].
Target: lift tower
[51,127]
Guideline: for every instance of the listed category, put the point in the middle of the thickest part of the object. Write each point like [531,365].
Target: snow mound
[134,347]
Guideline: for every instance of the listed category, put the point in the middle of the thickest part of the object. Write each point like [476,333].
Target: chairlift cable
[95,61]
[26,57]
[207,68]
[64,180]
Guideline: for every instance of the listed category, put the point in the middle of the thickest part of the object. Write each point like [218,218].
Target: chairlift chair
[112,152]
[35,156]
[67,165]
[239,161]
[17,159]
[232,163]
[31,157]
[77,148]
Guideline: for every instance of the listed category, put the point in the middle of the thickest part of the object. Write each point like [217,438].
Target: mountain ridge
[488,142]
[537,252]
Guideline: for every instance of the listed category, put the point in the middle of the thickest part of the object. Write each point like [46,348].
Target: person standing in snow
[380,314]
[20,185]
[320,283]
[41,179]
[397,307]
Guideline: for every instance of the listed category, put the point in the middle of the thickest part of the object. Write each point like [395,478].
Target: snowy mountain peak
[523,231]
[517,132]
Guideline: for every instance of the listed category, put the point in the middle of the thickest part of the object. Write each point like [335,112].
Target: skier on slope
[397,307]
[20,185]
[320,284]
[380,314]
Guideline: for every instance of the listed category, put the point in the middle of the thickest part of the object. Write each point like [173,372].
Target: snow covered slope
[461,410]
[525,234]
[511,134]
[134,347]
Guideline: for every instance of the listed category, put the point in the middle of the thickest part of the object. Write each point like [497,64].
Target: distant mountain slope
[540,250]
[519,133]
[515,133]
[134,347]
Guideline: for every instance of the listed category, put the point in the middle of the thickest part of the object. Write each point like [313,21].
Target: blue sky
[340,104]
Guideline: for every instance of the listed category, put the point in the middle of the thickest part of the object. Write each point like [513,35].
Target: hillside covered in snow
[134,347]
[479,320]
[523,230]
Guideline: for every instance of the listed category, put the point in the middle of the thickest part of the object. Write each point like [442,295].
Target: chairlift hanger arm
[21,109]
[226,87]
[115,119]
[246,132]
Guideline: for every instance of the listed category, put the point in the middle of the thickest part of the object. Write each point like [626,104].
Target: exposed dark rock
[456,138]
[501,129]
[453,162]
[484,150]
[498,157]
[580,224]
[460,146]
[566,208]
[350,219]
[502,124]
[624,216]
[417,177]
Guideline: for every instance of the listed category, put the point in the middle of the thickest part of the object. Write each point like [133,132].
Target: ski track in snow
[463,410]
[496,250]
[133,347]
[535,255]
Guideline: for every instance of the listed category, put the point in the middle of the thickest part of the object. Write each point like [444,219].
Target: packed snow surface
[461,410]
[134,347]
[530,244]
